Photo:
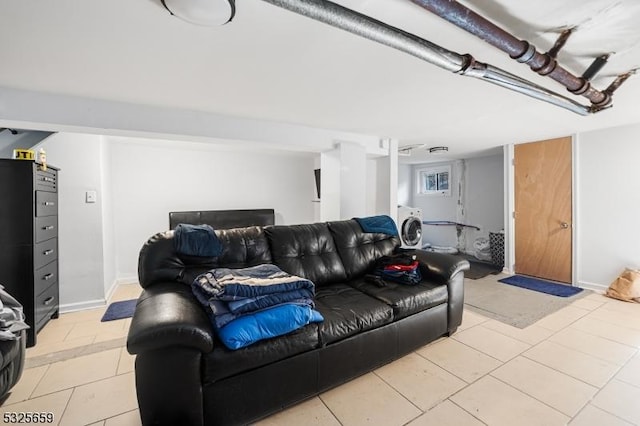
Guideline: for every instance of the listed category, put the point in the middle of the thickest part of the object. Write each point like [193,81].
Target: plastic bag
[482,249]
[626,287]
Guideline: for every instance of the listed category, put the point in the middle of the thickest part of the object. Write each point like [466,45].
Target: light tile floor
[578,366]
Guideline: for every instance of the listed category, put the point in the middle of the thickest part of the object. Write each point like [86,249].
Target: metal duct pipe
[503,78]
[520,50]
[372,29]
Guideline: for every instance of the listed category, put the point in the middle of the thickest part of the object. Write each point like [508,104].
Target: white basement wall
[108,230]
[484,202]
[608,202]
[80,237]
[149,179]
[405,185]
[438,207]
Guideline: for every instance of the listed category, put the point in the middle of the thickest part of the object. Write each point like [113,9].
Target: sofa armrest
[440,267]
[167,314]
[446,269]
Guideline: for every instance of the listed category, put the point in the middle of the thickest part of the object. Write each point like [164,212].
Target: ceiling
[272,64]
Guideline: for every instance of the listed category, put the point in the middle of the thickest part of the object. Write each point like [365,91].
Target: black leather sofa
[185,376]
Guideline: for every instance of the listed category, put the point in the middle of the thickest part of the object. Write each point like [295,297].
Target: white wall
[80,237]
[372,184]
[437,208]
[608,202]
[149,180]
[353,180]
[484,201]
[108,231]
[477,198]
[330,185]
[405,185]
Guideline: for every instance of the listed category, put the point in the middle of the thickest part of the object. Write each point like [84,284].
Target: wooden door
[543,219]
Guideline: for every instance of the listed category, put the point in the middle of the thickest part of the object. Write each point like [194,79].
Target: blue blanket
[265,324]
[231,293]
[196,240]
[382,224]
[222,312]
[234,284]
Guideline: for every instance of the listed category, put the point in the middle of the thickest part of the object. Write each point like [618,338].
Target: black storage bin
[496,246]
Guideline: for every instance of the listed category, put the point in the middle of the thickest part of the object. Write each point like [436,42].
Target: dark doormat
[479,269]
[120,310]
[542,286]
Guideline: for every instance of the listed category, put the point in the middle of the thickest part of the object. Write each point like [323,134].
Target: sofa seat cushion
[222,362]
[404,299]
[347,311]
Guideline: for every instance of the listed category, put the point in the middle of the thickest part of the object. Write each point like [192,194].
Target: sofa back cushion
[307,251]
[359,250]
[241,247]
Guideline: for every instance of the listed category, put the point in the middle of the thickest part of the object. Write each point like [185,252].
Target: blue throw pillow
[196,240]
[265,324]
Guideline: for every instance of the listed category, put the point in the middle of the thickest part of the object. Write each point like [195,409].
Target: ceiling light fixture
[202,12]
[438,149]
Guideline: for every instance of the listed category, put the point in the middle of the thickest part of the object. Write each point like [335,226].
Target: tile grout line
[592,355]
[600,408]
[398,391]
[37,384]
[329,409]
[117,415]
[66,405]
[454,374]
[563,373]
[466,411]
[531,396]
[567,374]
[65,389]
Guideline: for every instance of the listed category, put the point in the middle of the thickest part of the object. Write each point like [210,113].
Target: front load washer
[410,227]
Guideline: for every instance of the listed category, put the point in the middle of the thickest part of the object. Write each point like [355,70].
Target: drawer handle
[49,203]
[47,277]
[48,228]
[48,179]
[47,252]
[48,300]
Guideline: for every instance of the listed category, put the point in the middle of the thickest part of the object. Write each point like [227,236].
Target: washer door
[411,231]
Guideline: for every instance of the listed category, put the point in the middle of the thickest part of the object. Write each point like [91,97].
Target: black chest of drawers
[29,240]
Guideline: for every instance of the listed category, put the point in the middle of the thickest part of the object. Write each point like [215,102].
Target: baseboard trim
[111,290]
[118,282]
[598,288]
[81,306]
[132,279]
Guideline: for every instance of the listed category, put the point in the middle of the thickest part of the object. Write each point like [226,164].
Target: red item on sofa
[400,267]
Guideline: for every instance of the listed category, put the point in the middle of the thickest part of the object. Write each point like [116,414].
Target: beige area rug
[511,305]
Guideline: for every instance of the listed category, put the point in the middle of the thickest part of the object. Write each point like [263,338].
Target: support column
[343,181]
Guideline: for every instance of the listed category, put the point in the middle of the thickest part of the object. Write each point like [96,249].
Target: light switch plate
[91,196]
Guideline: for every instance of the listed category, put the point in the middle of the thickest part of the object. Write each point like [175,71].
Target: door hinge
[513,214]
